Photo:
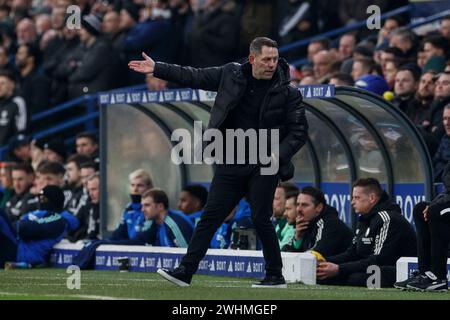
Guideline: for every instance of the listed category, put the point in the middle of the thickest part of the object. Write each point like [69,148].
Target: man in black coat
[382,236]
[254,95]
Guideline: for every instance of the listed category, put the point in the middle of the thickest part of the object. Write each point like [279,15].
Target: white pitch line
[82,296]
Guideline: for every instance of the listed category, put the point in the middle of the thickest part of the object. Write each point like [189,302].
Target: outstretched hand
[144,66]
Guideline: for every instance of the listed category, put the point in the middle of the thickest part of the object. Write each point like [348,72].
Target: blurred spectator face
[442,89]
[403,44]
[51,179]
[313,48]
[431,50]
[358,70]
[264,64]
[21,181]
[85,173]
[347,44]
[322,63]
[58,18]
[5,87]
[126,21]
[188,203]
[150,209]
[38,184]
[307,81]
[404,83]
[73,173]
[94,190]
[445,28]
[26,31]
[51,155]
[84,35]
[22,58]
[279,203]
[43,23]
[23,152]
[3,57]
[5,178]
[138,186]
[155,83]
[421,58]
[46,37]
[389,26]
[70,34]
[111,23]
[446,120]
[390,72]
[290,213]
[86,146]
[306,208]
[426,86]
[385,57]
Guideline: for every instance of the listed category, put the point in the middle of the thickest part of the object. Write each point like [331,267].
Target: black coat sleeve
[331,236]
[204,78]
[296,125]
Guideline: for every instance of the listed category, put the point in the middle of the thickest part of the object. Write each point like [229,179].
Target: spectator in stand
[91,67]
[347,45]
[442,156]
[406,85]
[215,35]
[391,54]
[425,96]
[315,46]
[31,85]
[26,32]
[433,121]
[406,40]
[13,117]
[87,144]
[52,173]
[55,150]
[445,27]
[390,24]
[436,51]
[19,149]
[7,190]
[192,201]
[5,64]
[362,67]
[323,61]
[21,202]
[390,72]
[73,190]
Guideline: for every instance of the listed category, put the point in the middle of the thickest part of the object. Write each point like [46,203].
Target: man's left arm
[296,126]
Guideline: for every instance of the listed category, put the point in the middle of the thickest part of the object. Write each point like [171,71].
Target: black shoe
[402,285]
[177,276]
[271,282]
[429,283]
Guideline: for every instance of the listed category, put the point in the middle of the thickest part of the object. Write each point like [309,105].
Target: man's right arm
[204,78]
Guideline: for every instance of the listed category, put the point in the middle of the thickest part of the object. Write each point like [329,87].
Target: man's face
[446,120]
[21,181]
[279,203]
[150,209]
[362,200]
[384,58]
[22,57]
[358,70]
[5,87]
[86,146]
[51,179]
[313,48]
[398,42]
[138,186]
[51,155]
[85,173]
[445,28]
[442,88]
[426,86]
[306,207]
[430,51]
[126,21]
[404,83]
[38,184]
[264,64]
[390,72]
[346,46]
[390,25]
[84,35]
[111,23]
[23,152]
[321,64]
[73,173]
[93,189]
[187,203]
[290,213]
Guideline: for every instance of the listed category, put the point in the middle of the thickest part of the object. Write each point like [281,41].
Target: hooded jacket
[326,234]
[382,236]
[282,106]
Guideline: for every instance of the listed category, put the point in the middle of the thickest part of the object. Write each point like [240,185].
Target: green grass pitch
[51,284]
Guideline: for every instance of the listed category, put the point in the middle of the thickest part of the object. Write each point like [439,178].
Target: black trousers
[359,279]
[433,238]
[8,249]
[229,185]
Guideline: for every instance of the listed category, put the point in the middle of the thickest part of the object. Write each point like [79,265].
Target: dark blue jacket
[441,158]
[131,223]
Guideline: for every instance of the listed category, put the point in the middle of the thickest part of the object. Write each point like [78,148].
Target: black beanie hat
[55,199]
[92,23]
[132,9]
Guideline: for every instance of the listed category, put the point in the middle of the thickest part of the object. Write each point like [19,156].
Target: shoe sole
[277,286]
[427,290]
[174,280]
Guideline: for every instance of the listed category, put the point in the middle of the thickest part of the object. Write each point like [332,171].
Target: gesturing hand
[144,66]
